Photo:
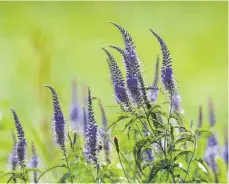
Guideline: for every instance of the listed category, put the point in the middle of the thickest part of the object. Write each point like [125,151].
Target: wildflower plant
[151,144]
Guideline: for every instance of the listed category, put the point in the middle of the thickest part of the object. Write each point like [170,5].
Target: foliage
[155,145]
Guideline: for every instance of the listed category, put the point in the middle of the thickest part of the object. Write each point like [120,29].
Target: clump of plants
[148,142]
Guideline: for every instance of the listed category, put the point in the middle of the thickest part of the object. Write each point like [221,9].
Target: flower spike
[59,122]
[91,141]
[21,144]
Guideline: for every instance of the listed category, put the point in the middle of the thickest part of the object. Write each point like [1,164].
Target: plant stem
[129,166]
[69,170]
[174,181]
[47,171]
[191,156]
[97,169]
[170,111]
[23,173]
[159,143]
[123,167]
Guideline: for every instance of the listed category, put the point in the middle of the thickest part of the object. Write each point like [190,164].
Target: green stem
[191,156]
[174,181]
[170,111]
[123,167]
[129,166]
[90,172]
[69,170]
[23,173]
[47,171]
[159,143]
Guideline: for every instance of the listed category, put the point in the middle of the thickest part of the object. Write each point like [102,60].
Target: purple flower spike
[91,141]
[132,64]
[106,145]
[76,112]
[211,152]
[153,93]
[129,45]
[59,122]
[133,86]
[176,101]
[21,144]
[84,121]
[225,153]
[211,113]
[117,80]
[13,156]
[167,75]
[166,70]
[34,162]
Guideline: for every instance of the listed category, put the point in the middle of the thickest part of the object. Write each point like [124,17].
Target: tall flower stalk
[59,126]
[106,145]
[91,142]
[134,78]
[225,151]
[212,150]
[153,93]
[59,121]
[76,111]
[13,156]
[118,81]
[34,162]
[84,120]
[167,76]
[21,144]
[211,113]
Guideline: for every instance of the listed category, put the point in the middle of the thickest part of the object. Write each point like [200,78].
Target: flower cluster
[21,144]
[106,145]
[153,93]
[212,150]
[91,141]
[34,162]
[59,121]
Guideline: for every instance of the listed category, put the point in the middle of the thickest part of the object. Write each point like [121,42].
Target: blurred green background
[54,42]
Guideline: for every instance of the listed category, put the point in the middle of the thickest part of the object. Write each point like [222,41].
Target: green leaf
[64,177]
[180,119]
[198,180]
[184,133]
[184,139]
[121,117]
[157,166]
[203,130]
[181,154]
[15,176]
[205,166]
[33,169]
[137,151]
[133,121]
[163,176]
[154,106]
[11,172]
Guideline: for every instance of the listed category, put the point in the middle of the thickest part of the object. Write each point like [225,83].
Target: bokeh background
[54,42]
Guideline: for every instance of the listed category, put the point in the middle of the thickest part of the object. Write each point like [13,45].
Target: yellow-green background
[53,42]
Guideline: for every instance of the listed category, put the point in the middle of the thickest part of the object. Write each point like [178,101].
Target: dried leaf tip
[116,144]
